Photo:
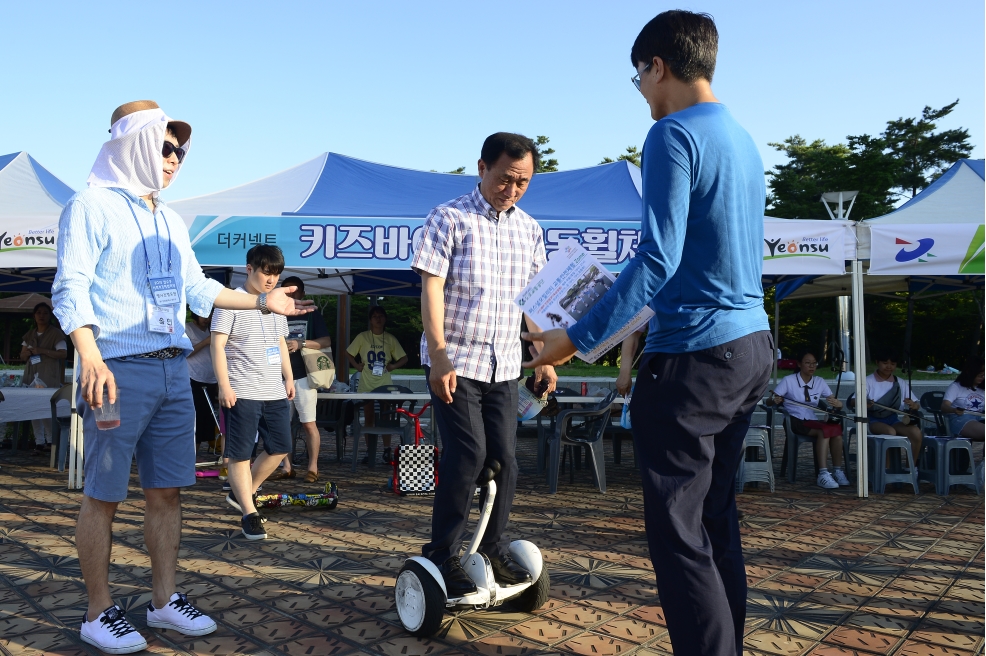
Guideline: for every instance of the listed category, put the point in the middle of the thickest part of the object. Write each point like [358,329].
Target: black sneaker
[253,527]
[457,582]
[507,571]
[226,486]
[231,500]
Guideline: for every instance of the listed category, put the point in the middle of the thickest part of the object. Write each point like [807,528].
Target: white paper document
[566,288]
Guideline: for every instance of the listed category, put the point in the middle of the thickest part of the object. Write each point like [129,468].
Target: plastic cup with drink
[108,414]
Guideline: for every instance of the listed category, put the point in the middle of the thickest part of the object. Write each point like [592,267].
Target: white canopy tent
[31,200]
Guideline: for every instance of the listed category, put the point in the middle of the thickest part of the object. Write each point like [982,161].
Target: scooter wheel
[534,597]
[420,600]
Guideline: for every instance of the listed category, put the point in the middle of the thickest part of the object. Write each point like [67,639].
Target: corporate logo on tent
[801,247]
[974,260]
[34,240]
[919,252]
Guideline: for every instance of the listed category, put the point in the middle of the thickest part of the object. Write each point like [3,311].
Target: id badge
[378,368]
[273,355]
[34,359]
[160,319]
[164,290]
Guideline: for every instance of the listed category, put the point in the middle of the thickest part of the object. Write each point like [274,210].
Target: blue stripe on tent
[57,189]
[7,159]
[353,187]
[787,287]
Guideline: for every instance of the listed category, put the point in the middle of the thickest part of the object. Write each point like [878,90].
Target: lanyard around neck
[143,239]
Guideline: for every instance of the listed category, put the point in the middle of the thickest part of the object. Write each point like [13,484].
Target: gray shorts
[157,424]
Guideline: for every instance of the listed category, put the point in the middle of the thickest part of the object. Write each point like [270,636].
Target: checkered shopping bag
[415,465]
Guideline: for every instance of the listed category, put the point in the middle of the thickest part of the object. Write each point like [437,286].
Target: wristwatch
[262,304]
[303,342]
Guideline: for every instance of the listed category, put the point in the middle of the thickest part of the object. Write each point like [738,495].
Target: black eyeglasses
[636,78]
[169,148]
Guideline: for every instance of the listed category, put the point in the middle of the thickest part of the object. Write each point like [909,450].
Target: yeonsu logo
[30,241]
[805,247]
[922,250]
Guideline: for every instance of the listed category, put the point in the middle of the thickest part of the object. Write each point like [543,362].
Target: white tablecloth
[23,403]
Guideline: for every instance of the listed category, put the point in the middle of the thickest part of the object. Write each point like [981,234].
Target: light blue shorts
[956,422]
[157,424]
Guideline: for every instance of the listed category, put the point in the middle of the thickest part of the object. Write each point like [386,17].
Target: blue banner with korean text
[376,243]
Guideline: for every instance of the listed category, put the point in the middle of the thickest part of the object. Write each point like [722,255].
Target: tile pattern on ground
[828,573]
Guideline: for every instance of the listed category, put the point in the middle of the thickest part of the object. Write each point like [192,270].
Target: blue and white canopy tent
[31,200]
[347,225]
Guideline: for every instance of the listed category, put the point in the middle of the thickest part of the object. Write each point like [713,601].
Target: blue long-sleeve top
[699,261]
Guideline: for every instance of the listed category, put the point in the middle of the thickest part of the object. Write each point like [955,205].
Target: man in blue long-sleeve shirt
[708,354]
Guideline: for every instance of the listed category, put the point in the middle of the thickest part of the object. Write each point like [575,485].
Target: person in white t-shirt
[964,397]
[883,388]
[806,389]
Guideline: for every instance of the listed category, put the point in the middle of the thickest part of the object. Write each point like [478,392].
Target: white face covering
[132,158]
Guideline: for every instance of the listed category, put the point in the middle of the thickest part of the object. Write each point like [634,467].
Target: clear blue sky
[420,85]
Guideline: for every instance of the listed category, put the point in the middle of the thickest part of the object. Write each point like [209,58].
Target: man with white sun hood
[125,273]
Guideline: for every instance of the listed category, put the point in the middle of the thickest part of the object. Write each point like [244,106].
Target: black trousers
[205,425]
[480,423]
[690,415]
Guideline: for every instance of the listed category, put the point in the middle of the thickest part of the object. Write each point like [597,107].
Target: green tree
[817,167]
[632,155]
[459,171]
[546,165]
[922,154]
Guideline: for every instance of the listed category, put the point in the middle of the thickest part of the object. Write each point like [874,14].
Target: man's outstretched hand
[279,302]
[556,347]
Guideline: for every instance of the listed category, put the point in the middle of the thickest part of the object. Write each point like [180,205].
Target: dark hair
[38,307]
[377,309]
[885,353]
[516,146]
[973,367]
[266,258]
[685,41]
[294,281]
[807,352]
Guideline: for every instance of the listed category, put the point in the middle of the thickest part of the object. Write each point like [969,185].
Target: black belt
[162,354]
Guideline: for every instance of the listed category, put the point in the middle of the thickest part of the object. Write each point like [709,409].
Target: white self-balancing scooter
[420,590]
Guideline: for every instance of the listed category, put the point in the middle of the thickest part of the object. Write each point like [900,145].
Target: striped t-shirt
[250,335]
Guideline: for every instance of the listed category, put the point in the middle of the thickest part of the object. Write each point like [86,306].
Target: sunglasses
[169,148]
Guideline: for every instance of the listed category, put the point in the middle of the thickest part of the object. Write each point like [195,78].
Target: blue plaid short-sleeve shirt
[486,259]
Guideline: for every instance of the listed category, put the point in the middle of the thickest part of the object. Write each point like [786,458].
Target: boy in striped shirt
[253,369]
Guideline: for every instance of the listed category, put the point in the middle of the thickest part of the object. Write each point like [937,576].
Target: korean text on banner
[805,247]
[933,249]
[567,288]
[376,243]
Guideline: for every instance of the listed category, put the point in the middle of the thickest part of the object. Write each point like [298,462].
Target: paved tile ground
[829,573]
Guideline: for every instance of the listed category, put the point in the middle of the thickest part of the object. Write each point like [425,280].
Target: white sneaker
[112,633]
[840,477]
[181,616]
[825,480]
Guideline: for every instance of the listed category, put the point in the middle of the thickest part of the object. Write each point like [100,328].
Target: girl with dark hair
[966,394]
[43,348]
[808,389]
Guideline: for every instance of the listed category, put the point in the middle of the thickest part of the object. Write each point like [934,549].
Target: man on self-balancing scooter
[476,253]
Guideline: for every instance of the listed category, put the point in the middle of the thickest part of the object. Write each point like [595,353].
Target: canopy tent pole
[76,442]
[342,338]
[908,329]
[859,364]
[777,320]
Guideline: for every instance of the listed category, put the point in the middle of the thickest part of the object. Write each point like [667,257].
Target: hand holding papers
[562,293]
